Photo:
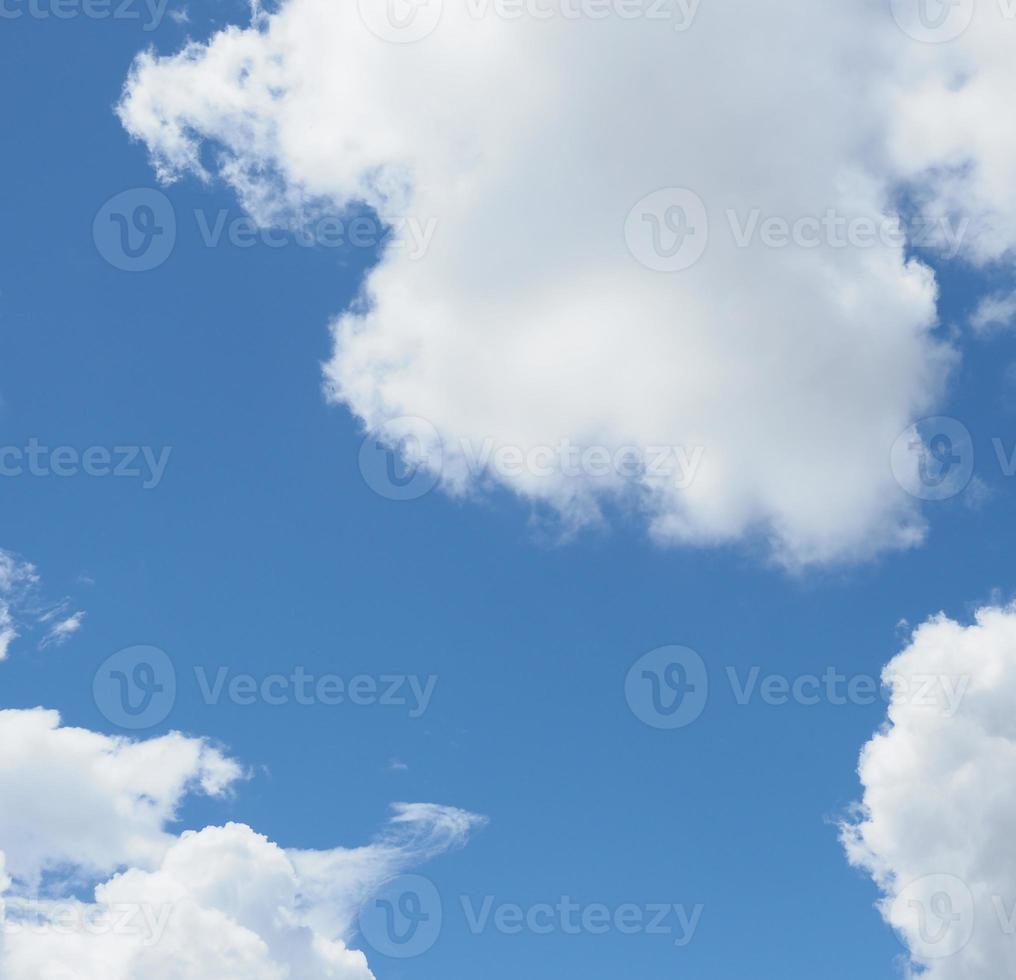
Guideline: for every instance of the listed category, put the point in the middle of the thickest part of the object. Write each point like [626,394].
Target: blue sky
[263,549]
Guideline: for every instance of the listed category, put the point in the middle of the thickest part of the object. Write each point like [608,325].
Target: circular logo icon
[400,21]
[668,687]
[935,915]
[934,458]
[402,459]
[136,688]
[668,230]
[136,230]
[403,919]
[933,21]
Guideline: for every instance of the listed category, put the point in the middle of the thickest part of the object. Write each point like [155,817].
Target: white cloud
[123,793]
[16,575]
[528,321]
[935,825]
[948,100]
[17,580]
[337,882]
[63,629]
[994,312]
[21,607]
[8,634]
[224,903]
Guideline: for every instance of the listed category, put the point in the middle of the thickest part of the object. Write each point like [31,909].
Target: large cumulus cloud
[534,321]
[104,890]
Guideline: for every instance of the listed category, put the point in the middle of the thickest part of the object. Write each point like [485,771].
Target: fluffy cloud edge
[295,912]
[934,823]
[465,359]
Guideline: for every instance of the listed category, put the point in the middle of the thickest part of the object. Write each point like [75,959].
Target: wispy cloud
[994,312]
[18,579]
[289,918]
[336,882]
[63,630]
[23,609]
